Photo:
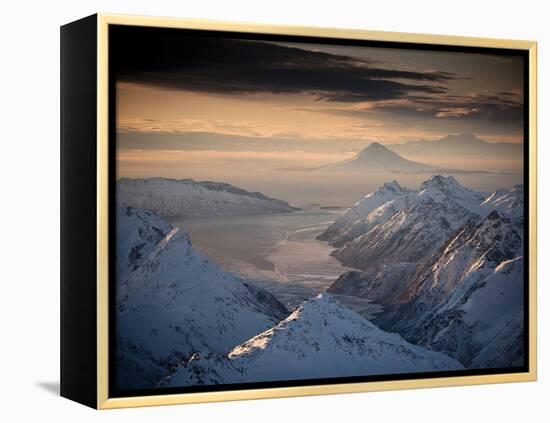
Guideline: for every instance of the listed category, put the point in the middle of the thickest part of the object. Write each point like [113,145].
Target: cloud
[187,61]
[483,107]
[455,112]
[210,130]
[499,113]
[387,98]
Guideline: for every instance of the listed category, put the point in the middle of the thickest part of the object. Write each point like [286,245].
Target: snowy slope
[430,310]
[377,216]
[188,198]
[410,235]
[482,322]
[474,250]
[507,202]
[440,188]
[362,208]
[320,339]
[379,206]
[178,303]
[412,226]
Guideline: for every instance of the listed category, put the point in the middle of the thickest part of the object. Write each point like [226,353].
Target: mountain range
[182,320]
[463,146]
[399,224]
[442,263]
[471,293]
[430,258]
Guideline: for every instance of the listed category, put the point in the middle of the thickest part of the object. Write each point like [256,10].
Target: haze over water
[278,250]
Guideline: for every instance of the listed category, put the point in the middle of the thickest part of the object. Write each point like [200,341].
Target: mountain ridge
[320,339]
[188,198]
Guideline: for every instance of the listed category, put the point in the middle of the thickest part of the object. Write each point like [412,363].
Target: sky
[199,101]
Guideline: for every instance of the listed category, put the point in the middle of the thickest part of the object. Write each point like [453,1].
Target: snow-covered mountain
[177,303]
[411,227]
[427,255]
[377,216]
[440,188]
[188,198]
[507,202]
[361,209]
[320,339]
[412,224]
[382,204]
[433,309]
[410,235]
[376,157]
[481,324]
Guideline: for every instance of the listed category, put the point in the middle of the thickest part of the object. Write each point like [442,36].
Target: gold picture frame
[102,398]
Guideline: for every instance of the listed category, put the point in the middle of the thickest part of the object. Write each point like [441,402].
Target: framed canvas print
[256,211]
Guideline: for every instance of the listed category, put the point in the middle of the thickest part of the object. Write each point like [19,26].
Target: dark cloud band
[194,61]
[177,60]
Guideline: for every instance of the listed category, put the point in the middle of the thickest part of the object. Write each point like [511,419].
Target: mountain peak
[443,188]
[377,157]
[322,300]
[320,304]
[375,148]
[440,181]
[393,186]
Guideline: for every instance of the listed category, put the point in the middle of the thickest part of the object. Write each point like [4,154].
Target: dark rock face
[380,285]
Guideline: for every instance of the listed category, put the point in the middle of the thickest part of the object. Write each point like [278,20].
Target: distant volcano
[377,157]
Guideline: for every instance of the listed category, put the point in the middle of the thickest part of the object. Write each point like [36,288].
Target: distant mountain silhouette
[460,146]
[377,157]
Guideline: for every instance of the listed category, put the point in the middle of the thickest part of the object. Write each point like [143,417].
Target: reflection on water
[278,251]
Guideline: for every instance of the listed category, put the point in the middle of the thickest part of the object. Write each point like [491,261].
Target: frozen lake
[278,251]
